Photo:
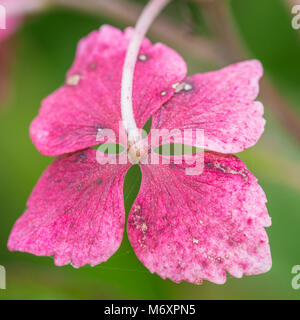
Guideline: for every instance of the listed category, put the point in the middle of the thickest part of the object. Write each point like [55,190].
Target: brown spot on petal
[93,66]
[143,57]
[219,259]
[175,85]
[137,208]
[199,281]
[209,164]
[144,227]
[81,157]
[73,80]
[188,87]
[182,86]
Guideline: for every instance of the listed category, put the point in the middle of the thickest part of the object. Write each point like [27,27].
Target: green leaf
[131,187]
[175,149]
[109,148]
[147,128]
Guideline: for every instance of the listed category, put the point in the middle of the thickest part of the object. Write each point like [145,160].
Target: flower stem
[148,15]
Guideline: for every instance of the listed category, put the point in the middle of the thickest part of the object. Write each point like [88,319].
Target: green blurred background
[44,50]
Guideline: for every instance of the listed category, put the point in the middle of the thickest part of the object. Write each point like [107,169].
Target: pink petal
[220,102]
[195,228]
[75,212]
[69,118]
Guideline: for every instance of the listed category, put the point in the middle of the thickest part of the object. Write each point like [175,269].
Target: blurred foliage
[45,49]
[266,28]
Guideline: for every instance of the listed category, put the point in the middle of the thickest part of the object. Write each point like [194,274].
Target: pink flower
[190,228]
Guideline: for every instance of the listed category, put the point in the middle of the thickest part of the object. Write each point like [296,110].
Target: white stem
[148,15]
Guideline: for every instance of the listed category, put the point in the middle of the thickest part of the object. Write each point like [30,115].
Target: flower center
[137,151]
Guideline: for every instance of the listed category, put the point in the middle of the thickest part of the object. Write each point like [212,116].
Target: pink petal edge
[222,103]
[75,213]
[70,118]
[194,228]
